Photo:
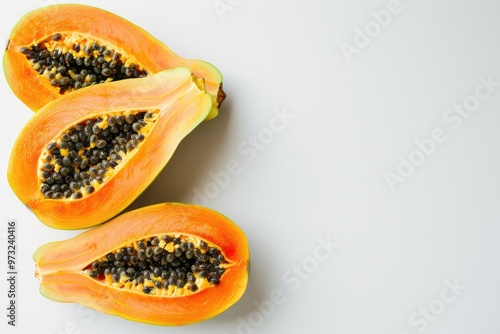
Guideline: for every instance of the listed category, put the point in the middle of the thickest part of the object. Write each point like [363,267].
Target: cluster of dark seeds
[155,265]
[81,158]
[81,65]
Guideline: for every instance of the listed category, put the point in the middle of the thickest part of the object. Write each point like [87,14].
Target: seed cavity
[74,61]
[160,265]
[86,155]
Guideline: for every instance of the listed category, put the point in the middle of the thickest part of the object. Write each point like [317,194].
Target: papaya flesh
[165,264]
[83,158]
[57,49]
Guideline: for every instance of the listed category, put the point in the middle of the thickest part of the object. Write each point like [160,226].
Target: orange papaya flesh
[57,49]
[83,158]
[166,264]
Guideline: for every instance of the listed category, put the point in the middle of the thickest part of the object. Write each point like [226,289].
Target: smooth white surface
[321,175]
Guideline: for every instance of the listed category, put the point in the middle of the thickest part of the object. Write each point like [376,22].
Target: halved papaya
[57,49]
[83,158]
[166,264]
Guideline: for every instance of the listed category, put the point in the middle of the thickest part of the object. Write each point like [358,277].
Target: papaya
[83,158]
[164,264]
[57,49]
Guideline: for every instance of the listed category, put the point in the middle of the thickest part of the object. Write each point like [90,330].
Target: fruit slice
[57,49]
[166,264]
[85,157]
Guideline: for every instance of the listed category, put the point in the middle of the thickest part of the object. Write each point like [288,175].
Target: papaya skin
[59,265]
[94,23]
[182,104]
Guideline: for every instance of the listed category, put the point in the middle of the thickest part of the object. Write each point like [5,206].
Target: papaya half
[165,264]
[83,158]
[57,49]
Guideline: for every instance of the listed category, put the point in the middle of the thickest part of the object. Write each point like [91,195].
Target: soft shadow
[176,182]
[189,162]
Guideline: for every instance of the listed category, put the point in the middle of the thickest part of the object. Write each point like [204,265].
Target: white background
[354,118]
